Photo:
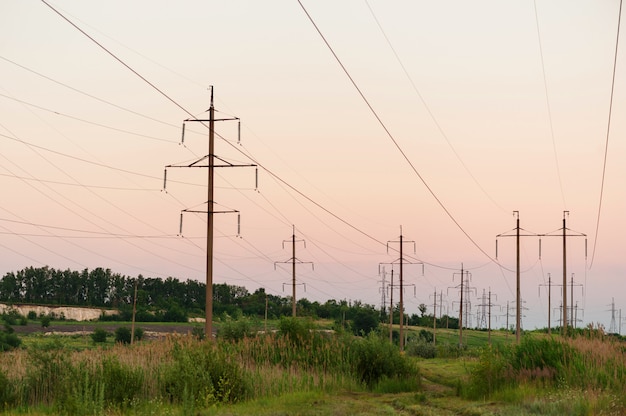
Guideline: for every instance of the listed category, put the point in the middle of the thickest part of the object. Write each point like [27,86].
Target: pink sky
[486,142]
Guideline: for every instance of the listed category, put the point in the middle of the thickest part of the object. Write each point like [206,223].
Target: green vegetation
[188,374]
[335,359]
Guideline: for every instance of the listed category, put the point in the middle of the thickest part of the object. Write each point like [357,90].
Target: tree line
[172,299]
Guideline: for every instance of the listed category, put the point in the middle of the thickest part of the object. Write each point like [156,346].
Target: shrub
[298,331]
[122,335]
[9,341]
[375,359]
[202,375]
[45,321]
[138,334]
[365,321]
[32,315]
[235,329]
[99,335]
[421,348]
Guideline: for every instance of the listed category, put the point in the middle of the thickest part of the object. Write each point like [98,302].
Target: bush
[375,358]
[122,335]
[99,335]
[298,331]
[138,334]
[32,315]
[202,375]
[45,321]
[365,321]
[9,341]
[235,329]
[421,348]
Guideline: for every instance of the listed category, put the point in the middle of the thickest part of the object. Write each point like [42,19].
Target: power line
[93,123]
[545,85]
[608,130]
[428,110]
[388,133]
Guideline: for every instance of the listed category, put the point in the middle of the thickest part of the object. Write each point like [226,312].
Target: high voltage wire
[428,110]
[86,121]
[388,133]
[271,173]
[608,131]
[545,86]
[89,95]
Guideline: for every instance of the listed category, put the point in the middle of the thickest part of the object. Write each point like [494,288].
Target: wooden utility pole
[293,260]
[564,234]
[518,302]
[401,261]
[132,327]
[211,165]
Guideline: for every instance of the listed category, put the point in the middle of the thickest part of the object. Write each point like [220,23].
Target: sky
[367,120]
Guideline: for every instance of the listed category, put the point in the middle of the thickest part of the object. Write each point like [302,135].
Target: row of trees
[172,299]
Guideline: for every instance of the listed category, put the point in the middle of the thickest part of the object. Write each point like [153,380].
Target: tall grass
[193,374]
[580,363]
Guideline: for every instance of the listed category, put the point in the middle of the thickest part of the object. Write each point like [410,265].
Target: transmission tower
[383,292]
[564,234]
[550,284]
[293,260]
[210,211]
[613,327]
[401,261]
[464,304]
[517,236]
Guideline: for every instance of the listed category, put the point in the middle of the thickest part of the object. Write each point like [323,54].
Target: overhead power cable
[271,173]
[429,111]
[391,137]
[260,165]
[608,131]
[545,87]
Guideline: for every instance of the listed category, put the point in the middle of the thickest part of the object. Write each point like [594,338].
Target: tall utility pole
[564,235]
[210,158]
[464,289]
[293,260]
[549,300]
[383,294]
[490,305]
[613,327]
[391,310]
[572,306]
[435,317]
[517,236]
[401,261]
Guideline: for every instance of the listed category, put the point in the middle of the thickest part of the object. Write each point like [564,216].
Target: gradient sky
[498,107]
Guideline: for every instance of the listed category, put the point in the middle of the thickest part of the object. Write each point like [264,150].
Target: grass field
[282,374]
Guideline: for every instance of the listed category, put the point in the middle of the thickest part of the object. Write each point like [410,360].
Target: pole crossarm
[401,261]
[210,164]
[294,261]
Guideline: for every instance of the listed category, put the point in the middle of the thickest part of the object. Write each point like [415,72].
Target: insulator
[182,138]
[496,249]
[256,179]
[239,132]
[540,249]
[164,179]
[180,231]
[585,248]
[238,224]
